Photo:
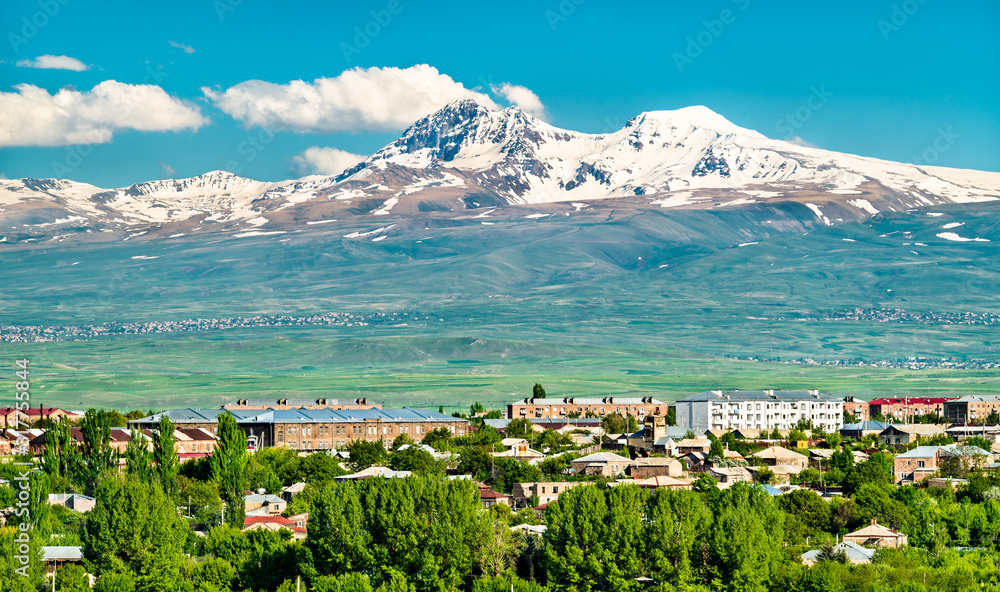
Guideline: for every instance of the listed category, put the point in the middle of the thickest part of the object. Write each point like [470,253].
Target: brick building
[973,409]
[317,429]
[904,408]
[857,408]
[581,406]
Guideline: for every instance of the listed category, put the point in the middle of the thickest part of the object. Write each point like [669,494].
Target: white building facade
[765,410]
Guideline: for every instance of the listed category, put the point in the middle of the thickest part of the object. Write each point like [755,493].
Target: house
[820,457]
[862,428]
[656,434]
[876,535]
[901,434]
[729,475]
[74,501]
[689,445]
[537,530]
[924,461]
[778,457]
[751,433]
[519,449]
[642,468]
[766,410]
[384,472]
[545,492]
[855,554]
[56,556]
[293,490]
[489,497]
[662,481]
[264,504]
[964,432]
[275,523]
[608,464]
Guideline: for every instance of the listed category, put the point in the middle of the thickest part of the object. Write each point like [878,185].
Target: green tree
[877,469]
[72,578]
[366,454]
[439,438]
[61,457]
[520,428]
[415,459]
[98,455]
[716,450]
[137,456]
[229,464]
[874,501]
[537,391]
[745,542]
[677,533]
[993,418]
[671,416]
[165,455]
[765,476]
[575,540]
[475,461]
[402,440]
[614,423]
[115,582]
[134,528]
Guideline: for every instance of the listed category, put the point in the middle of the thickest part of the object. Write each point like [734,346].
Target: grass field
[650,302]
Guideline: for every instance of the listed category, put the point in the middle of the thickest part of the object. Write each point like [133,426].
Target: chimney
[769,392]
[717,393]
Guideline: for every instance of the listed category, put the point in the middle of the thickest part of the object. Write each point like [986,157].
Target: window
[920,464]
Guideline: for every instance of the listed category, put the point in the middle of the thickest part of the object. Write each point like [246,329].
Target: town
[812,486]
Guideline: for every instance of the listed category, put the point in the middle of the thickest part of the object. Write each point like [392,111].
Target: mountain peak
[695,116]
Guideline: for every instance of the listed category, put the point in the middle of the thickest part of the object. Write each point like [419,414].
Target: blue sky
[888,78]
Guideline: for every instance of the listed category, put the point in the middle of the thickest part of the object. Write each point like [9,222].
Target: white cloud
[181,46]
[325,161]
[524,98]
[375,99]
[33,117]
[802,142]
[54,62]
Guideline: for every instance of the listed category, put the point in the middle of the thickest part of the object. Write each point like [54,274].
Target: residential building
[657,436]
[546,492]
[21,418]
[726,476]
[519,449]
[766,410]
[924,461]
[293,490]
[854,552]
[74,501]
[876,535]
[857,408]
[301,404]
[55,557]
[964,432]
[581,406]
[275,523]
[608,464]
[862,428]
[662,481]
[901,434]
[489,497]
[372,472]
[971,409]
[317,429]
[905,408]
[264,504]
[689,445]
[561,425]
[643,468]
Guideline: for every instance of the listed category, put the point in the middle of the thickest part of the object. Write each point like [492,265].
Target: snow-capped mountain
[466,156]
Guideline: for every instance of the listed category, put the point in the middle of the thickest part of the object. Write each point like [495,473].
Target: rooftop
[182,416]
[768,395]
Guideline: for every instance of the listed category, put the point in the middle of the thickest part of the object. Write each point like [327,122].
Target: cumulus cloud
[54,62]
[373,99]
[325,161]
[524,98]
[33,117]
[181,46]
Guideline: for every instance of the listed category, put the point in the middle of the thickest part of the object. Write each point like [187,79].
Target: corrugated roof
[62,553]
[601,457]
[182,416]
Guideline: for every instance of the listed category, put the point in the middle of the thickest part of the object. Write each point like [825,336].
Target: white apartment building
[766,410]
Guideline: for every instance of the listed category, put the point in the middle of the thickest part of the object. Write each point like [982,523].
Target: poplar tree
[165,455]
[229,465]
[98,455]
[137,456]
